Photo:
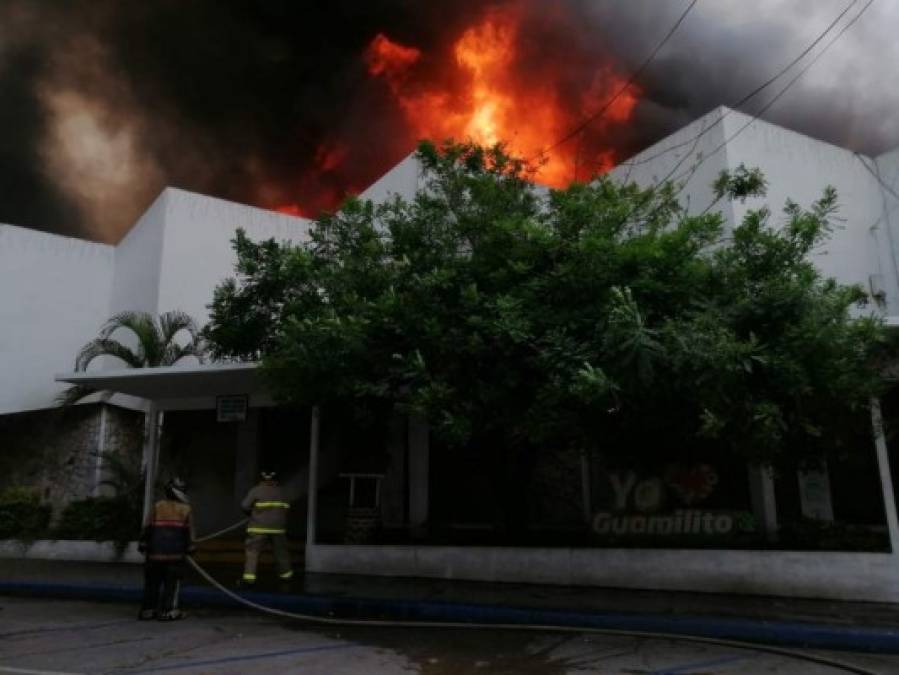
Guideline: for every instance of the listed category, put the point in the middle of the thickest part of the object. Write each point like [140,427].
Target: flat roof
[173,382]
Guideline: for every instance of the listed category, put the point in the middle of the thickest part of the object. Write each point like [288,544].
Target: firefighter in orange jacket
[267,509]
[166,540]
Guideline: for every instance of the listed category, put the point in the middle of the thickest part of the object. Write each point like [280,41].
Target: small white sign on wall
[231,408]
[814,493]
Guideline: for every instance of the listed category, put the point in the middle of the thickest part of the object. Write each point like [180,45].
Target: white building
[56,292]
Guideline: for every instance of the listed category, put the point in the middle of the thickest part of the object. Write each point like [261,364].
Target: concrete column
[886,479]
[151,458]
[393,486]
[312,509]
[246,465]
[764,502]
[419,458]
[101,451]
[586,492]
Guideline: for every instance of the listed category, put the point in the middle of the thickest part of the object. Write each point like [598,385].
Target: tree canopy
[601,317]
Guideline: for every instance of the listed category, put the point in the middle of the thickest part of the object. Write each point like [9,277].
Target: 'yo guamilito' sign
[682,521]
[638,507]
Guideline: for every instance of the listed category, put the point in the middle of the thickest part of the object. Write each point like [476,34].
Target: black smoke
[104,103]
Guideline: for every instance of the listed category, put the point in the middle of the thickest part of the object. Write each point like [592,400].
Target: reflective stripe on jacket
[170,533]
[267,508]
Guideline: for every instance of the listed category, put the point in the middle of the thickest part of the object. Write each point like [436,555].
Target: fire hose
[387,623]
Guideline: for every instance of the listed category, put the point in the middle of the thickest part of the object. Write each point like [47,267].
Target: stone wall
[55,450]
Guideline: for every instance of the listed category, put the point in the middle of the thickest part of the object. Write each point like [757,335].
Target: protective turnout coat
[267,508]
[169,536]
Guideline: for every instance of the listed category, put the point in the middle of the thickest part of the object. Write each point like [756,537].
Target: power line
[757,89]
[785,88]
[633,78]
[695,139]
[886,186]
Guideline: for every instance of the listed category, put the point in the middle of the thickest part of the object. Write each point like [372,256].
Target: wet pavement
[529,596]
[60,637]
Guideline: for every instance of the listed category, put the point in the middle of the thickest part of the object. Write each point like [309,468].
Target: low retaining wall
[838,576]
[87,551]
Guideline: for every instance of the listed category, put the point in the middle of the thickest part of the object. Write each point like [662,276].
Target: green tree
[602,317]
[155,342]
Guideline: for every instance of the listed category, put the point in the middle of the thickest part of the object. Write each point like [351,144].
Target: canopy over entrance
[178,387]
[187,388]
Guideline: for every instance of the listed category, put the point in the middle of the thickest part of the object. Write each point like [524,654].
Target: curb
[781,633]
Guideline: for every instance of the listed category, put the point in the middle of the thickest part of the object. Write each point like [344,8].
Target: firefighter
[166,540]
[267,508]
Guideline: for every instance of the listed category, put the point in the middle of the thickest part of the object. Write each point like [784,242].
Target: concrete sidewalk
[800,622]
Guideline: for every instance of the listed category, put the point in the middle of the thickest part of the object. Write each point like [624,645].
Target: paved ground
[42,637]
[568,598]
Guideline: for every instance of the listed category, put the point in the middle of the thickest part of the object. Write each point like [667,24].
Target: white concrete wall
[180,249]
[839,576]
[138,257]
[691,158]
[54,294]
[197,253]
[864,246]
[799,168]
[404,180]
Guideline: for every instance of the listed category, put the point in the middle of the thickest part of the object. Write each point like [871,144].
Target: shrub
[113,519]
[22,515]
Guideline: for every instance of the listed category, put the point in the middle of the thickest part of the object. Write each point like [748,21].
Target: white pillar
[312,496]
[419,458]
[151,458]
[101,450]
[764,502]
[886,479]
[586,493]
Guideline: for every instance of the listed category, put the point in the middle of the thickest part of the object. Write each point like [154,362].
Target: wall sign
[231,408]
[682,521]
[666,505]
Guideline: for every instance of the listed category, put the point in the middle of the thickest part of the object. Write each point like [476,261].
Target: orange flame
[388,58]
[495,105]
[481,91]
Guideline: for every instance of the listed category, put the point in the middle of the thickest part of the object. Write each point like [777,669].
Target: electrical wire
[780,93]
[886,186]
[639,71]
[757,90]
[695,139]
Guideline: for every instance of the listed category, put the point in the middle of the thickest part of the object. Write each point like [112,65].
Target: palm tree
[156,345]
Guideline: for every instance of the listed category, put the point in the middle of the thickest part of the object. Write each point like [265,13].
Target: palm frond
[156,344]
[172,323]
[143,325]
[73,394]
[134,321]
[175,352]
[106,347]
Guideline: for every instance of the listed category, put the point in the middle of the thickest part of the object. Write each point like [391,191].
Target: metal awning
[174,382]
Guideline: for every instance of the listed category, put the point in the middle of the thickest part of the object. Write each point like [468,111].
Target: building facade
[56,292]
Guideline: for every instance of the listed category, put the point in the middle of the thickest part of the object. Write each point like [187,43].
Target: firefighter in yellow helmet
[267,508]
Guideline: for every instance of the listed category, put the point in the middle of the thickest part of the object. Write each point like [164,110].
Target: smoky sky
[102,104]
